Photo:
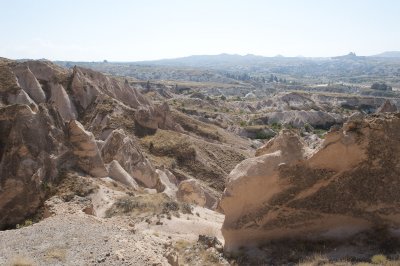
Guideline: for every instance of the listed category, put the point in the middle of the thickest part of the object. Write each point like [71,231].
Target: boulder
[191,191]
[118,146]
[167,179]
[348,186]
[85,150]
[145,174]
[116,172]
[153,117]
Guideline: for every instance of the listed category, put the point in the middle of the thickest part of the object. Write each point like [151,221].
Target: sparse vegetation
[145,204]
[276,127]
[73,184]
[199,128]
[166,143]
[25,224]
[379,259]
[320,132]
[264,135]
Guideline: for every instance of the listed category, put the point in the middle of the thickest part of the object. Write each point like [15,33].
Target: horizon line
[194,55]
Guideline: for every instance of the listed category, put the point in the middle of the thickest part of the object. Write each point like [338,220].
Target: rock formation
[21,97]
[349,185]
[387,107]
[87,84]
[116,172]
[169,182]
[61,100]
[85,149]
[191,191]
[32,152]
[287,142]
[45,113]
[29,83]
[118,146]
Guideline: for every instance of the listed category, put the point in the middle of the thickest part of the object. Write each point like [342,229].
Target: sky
[123,30]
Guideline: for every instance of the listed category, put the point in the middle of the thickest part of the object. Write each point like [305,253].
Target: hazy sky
[122,30]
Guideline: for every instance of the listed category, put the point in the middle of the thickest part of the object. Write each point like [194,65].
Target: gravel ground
[72,235]
[79,240]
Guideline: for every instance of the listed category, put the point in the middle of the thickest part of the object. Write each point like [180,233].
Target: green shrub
[264,135]
[26,223]
[276,126]
[243,123]
[308,128]
[320,132]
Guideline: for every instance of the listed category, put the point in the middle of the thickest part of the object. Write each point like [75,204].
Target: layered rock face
[349,185]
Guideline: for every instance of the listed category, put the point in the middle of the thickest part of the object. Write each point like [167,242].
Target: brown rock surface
[191,191]
[87,84]
[286,141]
[120,147]
[29,83]
[36,98]
[31,151]
[60,98]
[21,97]
[85,150]
[116,172]
[350,185]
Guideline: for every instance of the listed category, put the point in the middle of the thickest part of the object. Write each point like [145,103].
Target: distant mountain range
[222,59]
[391,54]
[205,59]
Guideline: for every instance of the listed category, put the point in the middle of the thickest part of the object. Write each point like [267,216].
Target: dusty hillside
[346,188]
